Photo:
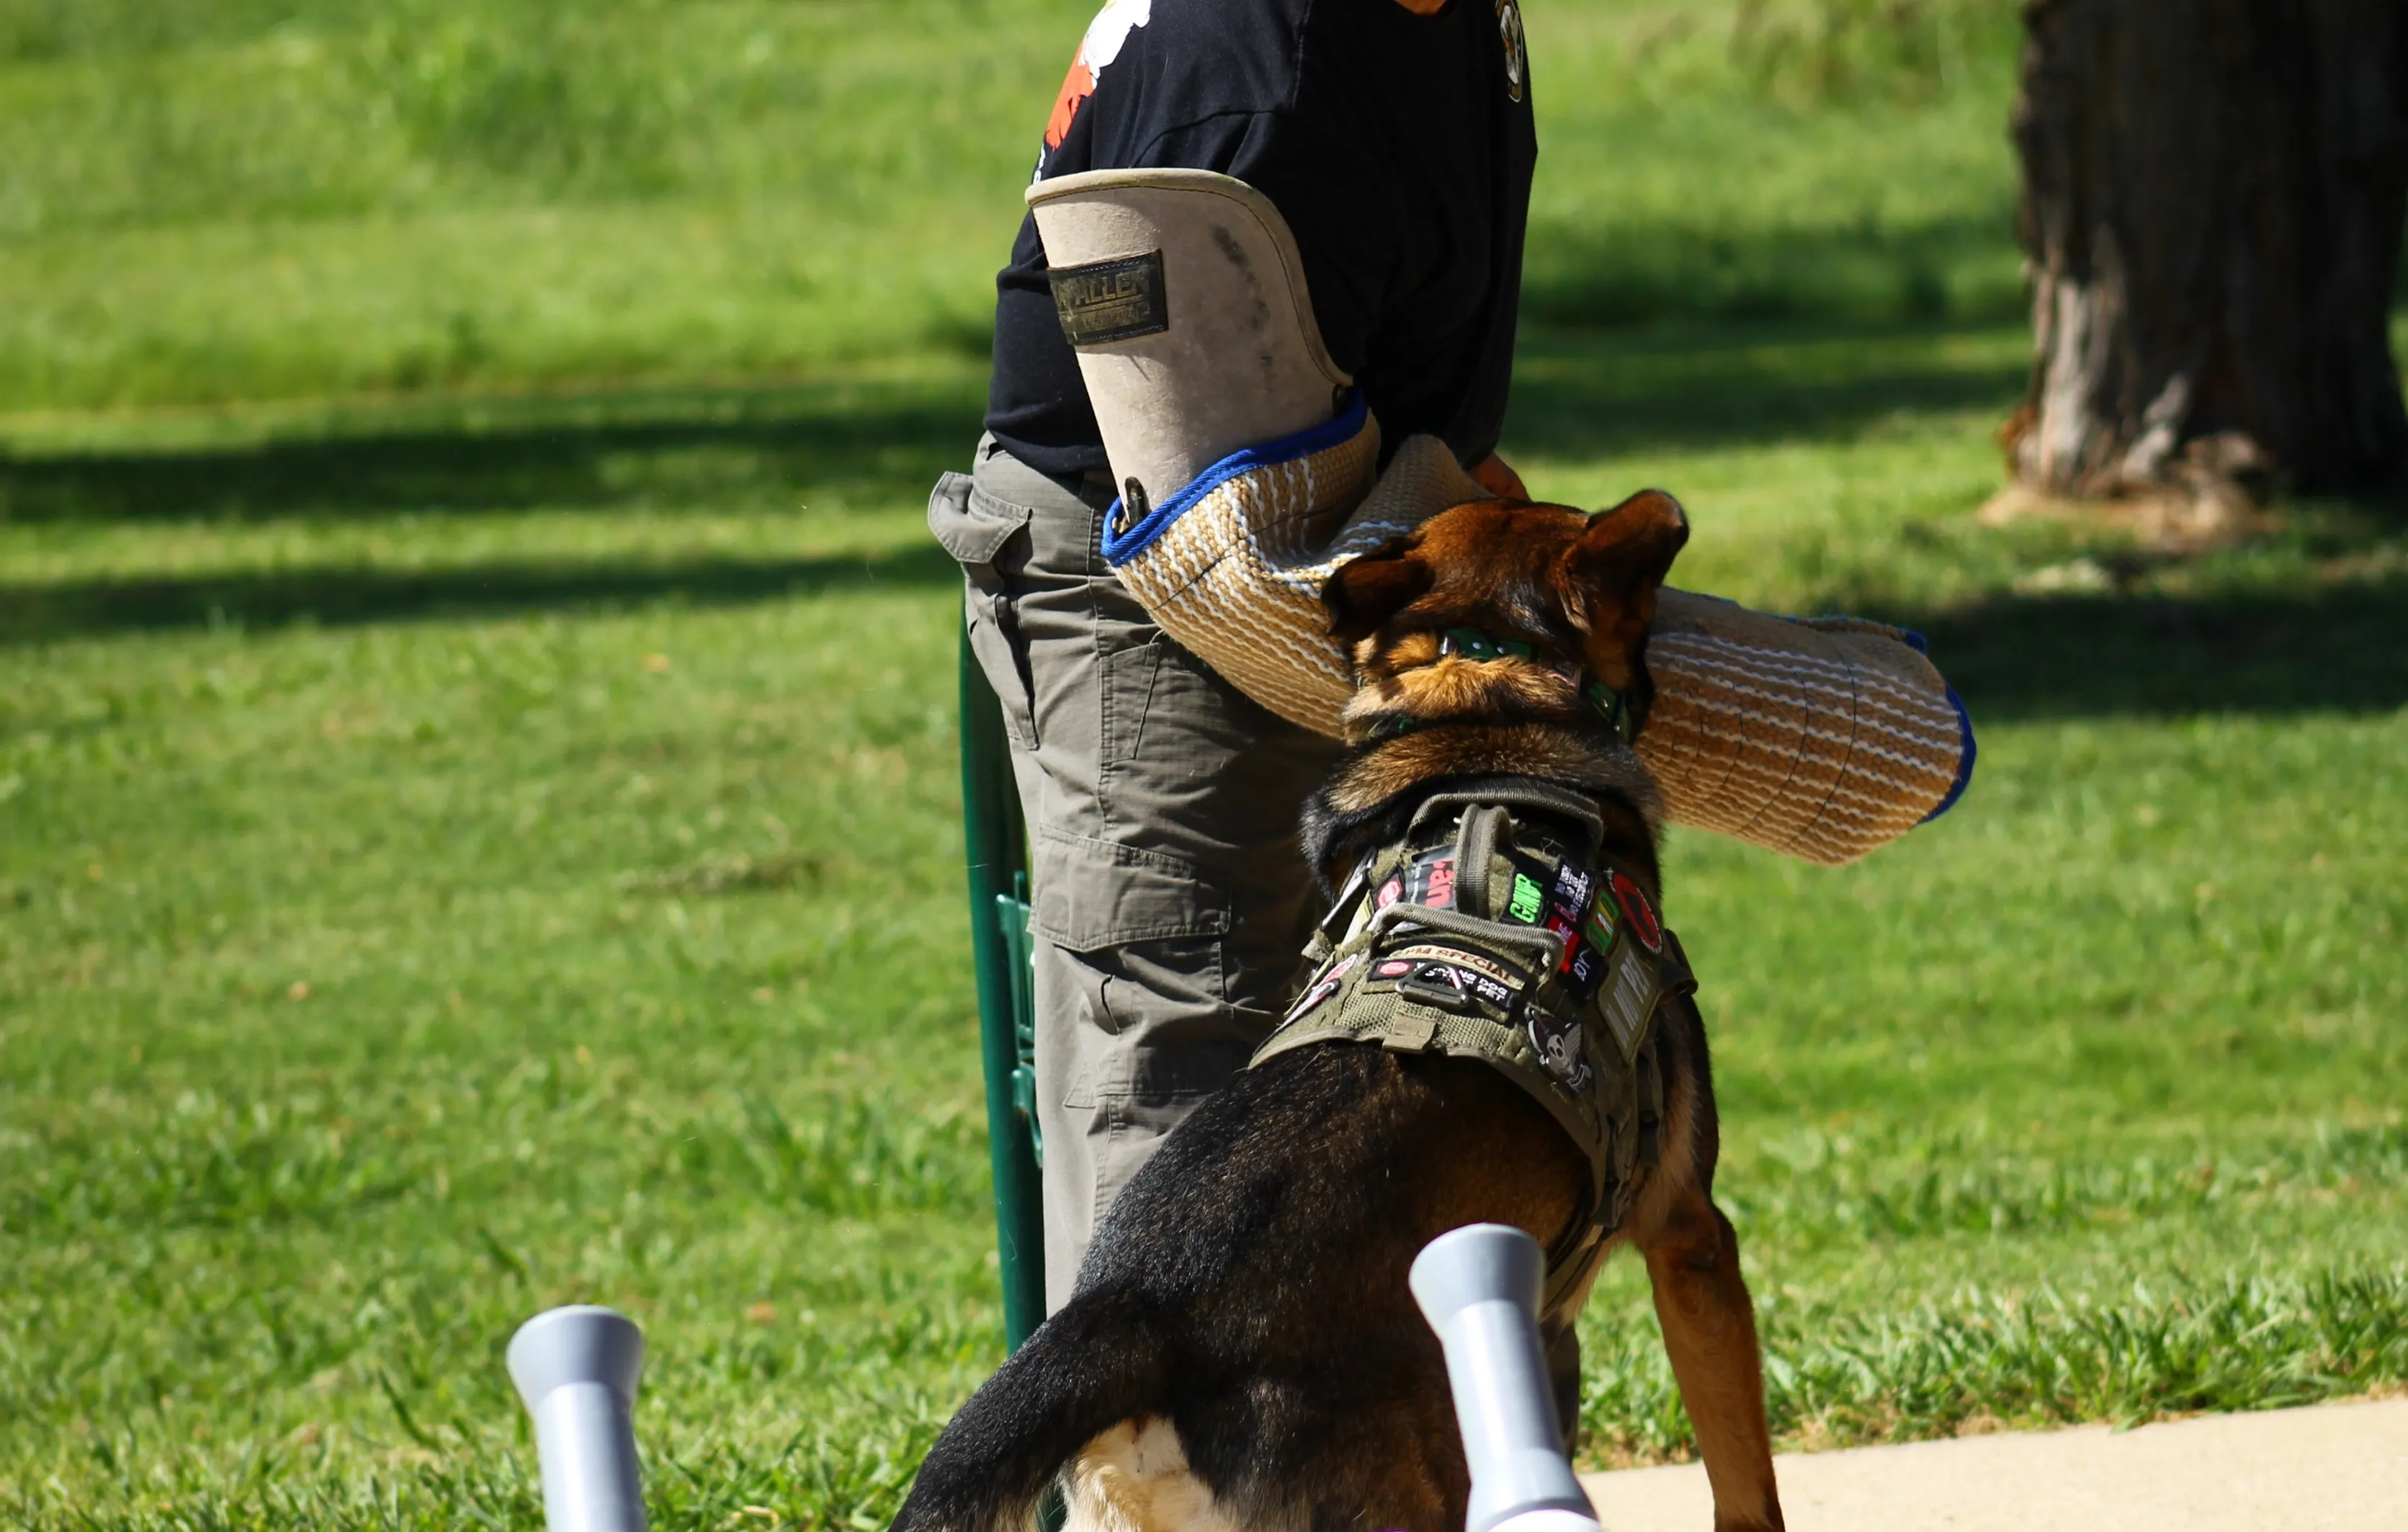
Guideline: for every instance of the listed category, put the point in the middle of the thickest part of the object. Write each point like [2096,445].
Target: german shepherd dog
[1241,1351]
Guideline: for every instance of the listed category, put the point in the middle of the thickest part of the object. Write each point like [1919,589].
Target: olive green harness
[1493,930]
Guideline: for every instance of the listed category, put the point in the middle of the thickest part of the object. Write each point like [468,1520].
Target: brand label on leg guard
[1111,300]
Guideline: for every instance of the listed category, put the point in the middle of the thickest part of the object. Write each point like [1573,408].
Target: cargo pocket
[989,538]
[1093,894]
[1127,677]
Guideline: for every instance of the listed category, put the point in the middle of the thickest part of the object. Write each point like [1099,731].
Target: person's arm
[1332,199]
[1497,475]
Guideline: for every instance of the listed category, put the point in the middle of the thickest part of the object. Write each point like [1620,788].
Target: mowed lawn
[486,836]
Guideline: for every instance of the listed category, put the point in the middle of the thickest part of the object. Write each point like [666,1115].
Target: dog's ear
[1366,591]
[1622,556]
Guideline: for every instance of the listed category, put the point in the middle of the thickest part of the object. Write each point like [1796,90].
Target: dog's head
[1577,591]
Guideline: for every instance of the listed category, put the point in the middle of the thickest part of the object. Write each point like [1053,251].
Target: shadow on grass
[657,448]
[1580,395]
[2341,648]
[1576,392]
[337,597]
[2274,648]
[1595,274]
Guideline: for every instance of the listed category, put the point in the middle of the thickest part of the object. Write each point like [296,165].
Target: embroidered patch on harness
[1598,927]
[1583,965]
[1574,886]
[1431,952]
[1587,968]
[1430,883]
[1462,981]
[1635,908]
[1567,927]
[1629,1004]
[1527,900]
[1561,1046]
[1323,987]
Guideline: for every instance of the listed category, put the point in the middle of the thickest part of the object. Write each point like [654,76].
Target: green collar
[1477,644]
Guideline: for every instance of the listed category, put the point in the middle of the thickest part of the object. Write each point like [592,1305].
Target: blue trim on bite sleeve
[1964,761]
[1136,540]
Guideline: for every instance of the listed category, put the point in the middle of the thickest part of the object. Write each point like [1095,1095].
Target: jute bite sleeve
[1248,473]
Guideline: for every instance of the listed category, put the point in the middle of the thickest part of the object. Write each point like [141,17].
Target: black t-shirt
[1399,149]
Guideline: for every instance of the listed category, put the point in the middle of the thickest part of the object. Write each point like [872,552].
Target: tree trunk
[2213,200]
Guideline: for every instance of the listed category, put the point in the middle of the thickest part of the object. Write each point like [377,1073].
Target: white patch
[1134,1478]
[1106,35]
[1109,30]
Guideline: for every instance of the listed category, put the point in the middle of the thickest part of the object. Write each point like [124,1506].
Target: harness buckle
[1425,987]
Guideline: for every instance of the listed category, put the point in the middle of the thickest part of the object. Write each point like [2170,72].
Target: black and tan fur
[1241,1351]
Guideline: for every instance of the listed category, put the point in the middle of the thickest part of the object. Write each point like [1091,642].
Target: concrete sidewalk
[2340,1467]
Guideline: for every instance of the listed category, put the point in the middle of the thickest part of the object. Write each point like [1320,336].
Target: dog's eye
[1472,644]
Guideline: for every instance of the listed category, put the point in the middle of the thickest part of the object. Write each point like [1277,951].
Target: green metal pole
[997,857]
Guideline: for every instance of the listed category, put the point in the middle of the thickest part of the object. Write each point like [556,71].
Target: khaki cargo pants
[1172,900]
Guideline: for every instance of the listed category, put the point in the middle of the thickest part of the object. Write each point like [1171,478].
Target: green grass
[246,198]
[472,839]
[591,764]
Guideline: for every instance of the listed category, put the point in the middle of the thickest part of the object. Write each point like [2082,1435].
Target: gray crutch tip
[1479,1286]
[582,1343]
[575,1370]
[1479,1263]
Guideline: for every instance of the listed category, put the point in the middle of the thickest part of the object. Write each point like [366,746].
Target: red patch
[1442,885]
[1635,908]
[1562,926]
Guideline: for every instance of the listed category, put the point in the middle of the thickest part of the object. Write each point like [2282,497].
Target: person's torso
[1400,148]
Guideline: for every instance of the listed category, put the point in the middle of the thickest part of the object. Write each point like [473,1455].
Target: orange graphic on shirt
[1097,51]
[1076,87]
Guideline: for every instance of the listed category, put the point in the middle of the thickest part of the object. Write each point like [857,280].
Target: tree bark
[2213,199]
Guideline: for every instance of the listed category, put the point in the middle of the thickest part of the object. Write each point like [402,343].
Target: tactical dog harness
[1493,930]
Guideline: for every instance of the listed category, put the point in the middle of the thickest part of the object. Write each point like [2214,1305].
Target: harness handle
[1548,945]
[1475,842]
[1509,793]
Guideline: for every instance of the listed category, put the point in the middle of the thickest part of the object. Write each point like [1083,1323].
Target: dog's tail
[1099,1361]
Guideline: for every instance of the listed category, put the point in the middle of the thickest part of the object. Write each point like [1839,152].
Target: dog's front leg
[1710,1330]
